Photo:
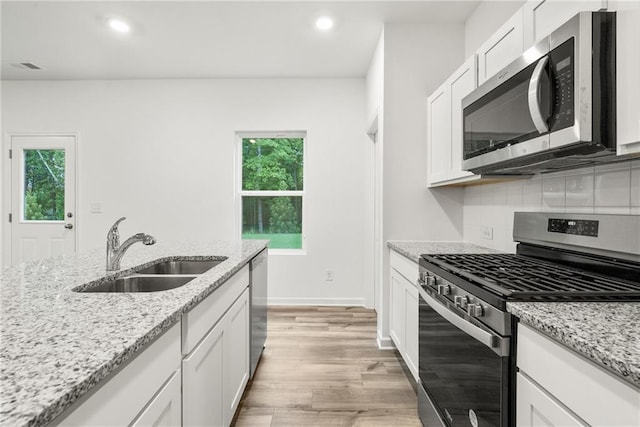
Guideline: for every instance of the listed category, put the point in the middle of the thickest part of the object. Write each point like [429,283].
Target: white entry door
[42,197]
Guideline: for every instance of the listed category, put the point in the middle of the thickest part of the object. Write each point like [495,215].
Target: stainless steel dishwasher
[258,315]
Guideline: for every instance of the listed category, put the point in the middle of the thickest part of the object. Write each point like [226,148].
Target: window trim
[239,192]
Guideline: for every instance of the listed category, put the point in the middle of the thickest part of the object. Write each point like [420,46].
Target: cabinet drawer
[595,395]
[197,322]
[404,266]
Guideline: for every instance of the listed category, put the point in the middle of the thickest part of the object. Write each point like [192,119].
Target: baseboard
[348,302]
[385,343]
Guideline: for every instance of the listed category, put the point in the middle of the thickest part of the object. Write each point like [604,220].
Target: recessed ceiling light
[119,25]
[324,23]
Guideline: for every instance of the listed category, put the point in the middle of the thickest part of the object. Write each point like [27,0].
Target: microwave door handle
[498,344]
[534,96]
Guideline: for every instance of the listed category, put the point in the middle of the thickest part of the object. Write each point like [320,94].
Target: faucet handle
[113,236]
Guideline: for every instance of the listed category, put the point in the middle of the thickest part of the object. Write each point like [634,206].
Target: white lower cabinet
[165,410]
[403,326]
[536,408]
[140,392]
[557,387]
[217,370]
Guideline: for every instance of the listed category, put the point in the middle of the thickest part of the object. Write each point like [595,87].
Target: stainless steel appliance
[552,108]
[466,348]
[258,293]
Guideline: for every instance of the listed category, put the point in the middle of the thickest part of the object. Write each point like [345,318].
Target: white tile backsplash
[611,188]
[553,192]
[635,185]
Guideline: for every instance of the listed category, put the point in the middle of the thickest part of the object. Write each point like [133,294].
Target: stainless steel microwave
[552,108]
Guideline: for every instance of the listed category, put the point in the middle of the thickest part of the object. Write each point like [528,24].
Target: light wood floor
[322,367]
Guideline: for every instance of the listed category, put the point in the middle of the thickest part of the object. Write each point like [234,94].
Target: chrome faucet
[115,251]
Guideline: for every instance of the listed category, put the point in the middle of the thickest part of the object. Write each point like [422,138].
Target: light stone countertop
[413,249]
[56,344]
[606,333]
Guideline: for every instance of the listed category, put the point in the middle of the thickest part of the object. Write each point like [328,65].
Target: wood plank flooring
[322,367]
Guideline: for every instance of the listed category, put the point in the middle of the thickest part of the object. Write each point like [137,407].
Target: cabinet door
[462,82]
[236,355]
[203,381]
[166,408]
[411,329]
[541,17]
[396,328]
[439,134]
[628,84]
[535,408]
[501,48]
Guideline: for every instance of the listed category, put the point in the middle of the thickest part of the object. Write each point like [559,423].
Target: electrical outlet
[487,233]
[328,275]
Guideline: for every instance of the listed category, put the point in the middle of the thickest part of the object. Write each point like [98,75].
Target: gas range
[465,330]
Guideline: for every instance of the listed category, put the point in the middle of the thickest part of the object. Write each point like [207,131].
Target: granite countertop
[607,333]
[56,344]
[412,249]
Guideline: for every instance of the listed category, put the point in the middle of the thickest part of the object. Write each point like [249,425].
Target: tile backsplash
[488,209]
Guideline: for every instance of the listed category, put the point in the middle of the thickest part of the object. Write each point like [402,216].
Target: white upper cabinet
[541,17]
[501,48]
[444,126]
[439,133]
[628,83]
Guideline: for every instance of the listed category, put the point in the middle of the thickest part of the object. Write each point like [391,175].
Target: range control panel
[578,227]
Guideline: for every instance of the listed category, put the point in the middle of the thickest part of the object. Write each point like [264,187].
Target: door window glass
[43,189]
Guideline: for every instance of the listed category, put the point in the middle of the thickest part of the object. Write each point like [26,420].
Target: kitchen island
[56,345]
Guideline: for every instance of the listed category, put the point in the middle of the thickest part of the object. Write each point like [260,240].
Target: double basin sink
[160,276]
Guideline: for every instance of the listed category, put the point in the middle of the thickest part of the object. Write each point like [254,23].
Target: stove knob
[461,301]
[422,278]
[431,281]
[474,310]
[444,289]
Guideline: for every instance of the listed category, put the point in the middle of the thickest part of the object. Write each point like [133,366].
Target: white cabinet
[541,17]
[561,387]
[628,83]
[135,393]
[444,126]
[217,370]
[165,410]
[501,48]
[536,408]
[404,309]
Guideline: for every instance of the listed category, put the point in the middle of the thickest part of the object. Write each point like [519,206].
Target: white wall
[485,20]
[613,188]
[417,58]
[162,153]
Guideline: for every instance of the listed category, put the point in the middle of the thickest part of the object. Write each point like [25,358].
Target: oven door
[465,369]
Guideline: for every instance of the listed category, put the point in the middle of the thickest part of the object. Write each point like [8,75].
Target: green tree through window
[44,185]
[272,189]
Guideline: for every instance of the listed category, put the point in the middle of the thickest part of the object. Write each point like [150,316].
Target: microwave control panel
[562,77]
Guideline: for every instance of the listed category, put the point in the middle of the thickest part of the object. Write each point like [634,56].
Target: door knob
[68,226]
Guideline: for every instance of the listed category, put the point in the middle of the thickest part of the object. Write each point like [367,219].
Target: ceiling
[203,39]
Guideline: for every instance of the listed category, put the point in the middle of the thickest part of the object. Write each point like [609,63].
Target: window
[272,188]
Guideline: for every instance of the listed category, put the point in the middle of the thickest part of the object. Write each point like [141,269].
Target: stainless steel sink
[140,284]
[182,266]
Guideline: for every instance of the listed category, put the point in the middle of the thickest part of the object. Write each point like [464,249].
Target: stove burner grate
[523,278]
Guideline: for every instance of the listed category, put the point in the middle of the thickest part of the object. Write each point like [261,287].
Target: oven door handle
[499,345]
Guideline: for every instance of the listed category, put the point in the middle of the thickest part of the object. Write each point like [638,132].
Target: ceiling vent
[26,66]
